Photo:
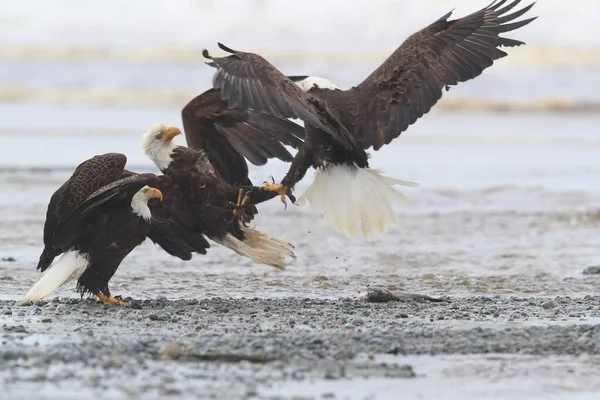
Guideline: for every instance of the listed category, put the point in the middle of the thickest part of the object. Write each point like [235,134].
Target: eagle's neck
[139,206]
[160,153]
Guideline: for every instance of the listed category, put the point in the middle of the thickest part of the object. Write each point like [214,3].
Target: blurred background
[78,78]
[82,78]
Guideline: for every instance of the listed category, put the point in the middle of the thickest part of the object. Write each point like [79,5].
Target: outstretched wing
[248,81]
[228,135]
[88,177]
[411,80]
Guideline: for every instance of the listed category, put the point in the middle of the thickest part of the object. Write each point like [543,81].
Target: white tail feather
[259,247]
[69,266]
[355,201]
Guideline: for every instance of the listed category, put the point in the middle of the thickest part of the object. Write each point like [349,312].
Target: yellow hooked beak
[153,193]
[170,133]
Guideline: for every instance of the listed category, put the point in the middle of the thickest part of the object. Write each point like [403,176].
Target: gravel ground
[297,348]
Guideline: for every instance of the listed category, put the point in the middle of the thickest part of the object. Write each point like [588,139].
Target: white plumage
[139,204]
[355,201]
[159,152]
[316,82]
[69,266]
[259,247]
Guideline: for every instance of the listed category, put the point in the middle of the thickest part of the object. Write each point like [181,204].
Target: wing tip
[225,48]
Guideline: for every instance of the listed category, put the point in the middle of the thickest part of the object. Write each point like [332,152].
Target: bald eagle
[342,124]
[93,221]
[210,191]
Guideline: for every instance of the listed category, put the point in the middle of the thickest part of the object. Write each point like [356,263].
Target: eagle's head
[139,201]
[307,83]
[158,144]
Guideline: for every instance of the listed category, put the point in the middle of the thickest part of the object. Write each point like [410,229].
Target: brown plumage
[228,136]
[202,188]
[341,124]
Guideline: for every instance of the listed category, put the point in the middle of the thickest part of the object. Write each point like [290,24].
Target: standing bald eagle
[93,221]
[341,124]
[203,184]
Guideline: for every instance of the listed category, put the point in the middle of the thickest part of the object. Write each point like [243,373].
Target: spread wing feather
[248,81]
[410,82]
[228,136]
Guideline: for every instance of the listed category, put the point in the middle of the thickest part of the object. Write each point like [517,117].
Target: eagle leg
[243,199]
[240,203]
[111,300]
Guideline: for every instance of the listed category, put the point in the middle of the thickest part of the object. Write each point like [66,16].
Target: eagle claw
[282,190]
[239,208]
[111,300]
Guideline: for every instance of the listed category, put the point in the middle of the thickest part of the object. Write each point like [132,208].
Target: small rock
[153,317]
[8,259]
[406,371]
[60,308]
[592,270]
[162,299]
[223,309]
[170,351]
[7,312]
[165,316]
[549,305]
[46,320]
[357,321]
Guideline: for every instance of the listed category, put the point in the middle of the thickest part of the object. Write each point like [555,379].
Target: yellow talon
[241,200]
[111,300]
[276,187]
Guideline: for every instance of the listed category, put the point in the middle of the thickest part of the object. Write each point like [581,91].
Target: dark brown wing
[228,135]
[411,80]
[87,177]
[121,190]
[248,81]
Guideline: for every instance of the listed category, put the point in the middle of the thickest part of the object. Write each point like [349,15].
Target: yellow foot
[241,202]
[111,300]
[278,188]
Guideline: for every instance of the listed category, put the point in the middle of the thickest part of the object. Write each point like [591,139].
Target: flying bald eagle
[93,221]
[342,124]
[203,185]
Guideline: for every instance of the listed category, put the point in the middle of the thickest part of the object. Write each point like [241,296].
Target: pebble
[300,338]
[592,270]
[550,304]
[170,351]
